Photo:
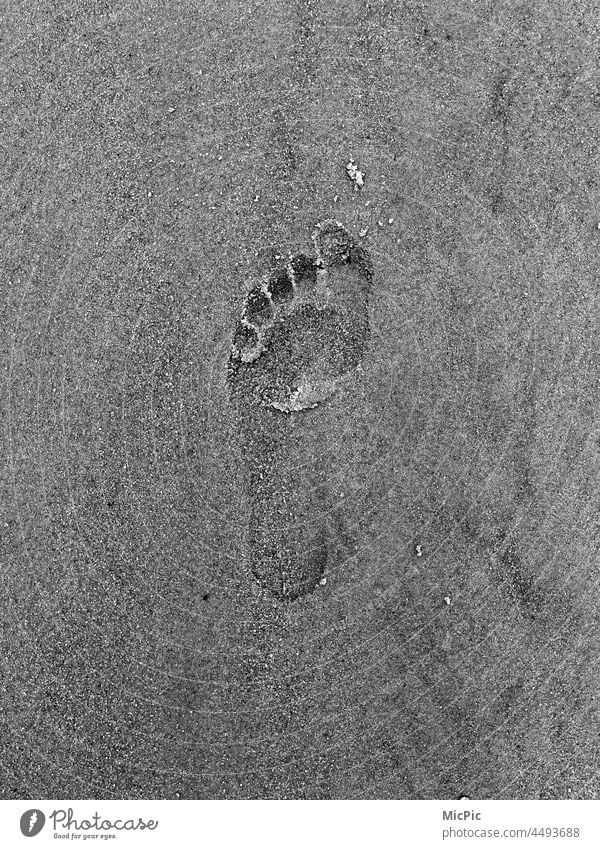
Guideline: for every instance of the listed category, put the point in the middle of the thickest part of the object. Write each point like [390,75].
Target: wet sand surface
[154,166]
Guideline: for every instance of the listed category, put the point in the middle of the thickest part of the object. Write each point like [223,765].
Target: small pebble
[323,581]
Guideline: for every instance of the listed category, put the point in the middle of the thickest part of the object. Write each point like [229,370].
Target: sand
[155,163]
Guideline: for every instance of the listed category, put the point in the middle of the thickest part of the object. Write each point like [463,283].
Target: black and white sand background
[155,164]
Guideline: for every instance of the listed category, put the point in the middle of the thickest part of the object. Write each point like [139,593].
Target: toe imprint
[304,272]
[280,287]
[258,309]
[245,344]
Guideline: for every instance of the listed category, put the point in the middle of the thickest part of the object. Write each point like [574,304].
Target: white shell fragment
[357,177]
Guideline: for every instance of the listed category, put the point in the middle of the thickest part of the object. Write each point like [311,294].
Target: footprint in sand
[301,334]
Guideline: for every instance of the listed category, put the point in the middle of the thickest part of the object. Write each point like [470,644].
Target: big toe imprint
[301,334]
